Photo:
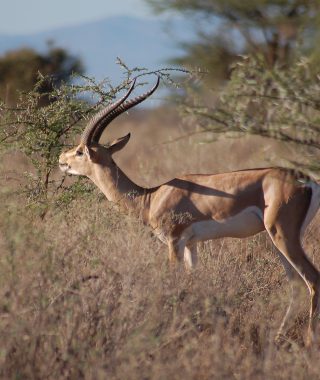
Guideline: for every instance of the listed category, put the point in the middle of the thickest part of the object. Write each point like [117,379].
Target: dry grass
[88,294]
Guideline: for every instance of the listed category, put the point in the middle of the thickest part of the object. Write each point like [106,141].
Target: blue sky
[30,16]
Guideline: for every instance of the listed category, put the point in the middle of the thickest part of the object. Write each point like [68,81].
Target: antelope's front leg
[179,250]
[173,253]
[176,250]
[190,256]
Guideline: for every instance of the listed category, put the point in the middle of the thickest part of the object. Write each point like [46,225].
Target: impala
[199,207]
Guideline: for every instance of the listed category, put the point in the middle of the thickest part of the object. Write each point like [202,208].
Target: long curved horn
[119,110]
[98,118]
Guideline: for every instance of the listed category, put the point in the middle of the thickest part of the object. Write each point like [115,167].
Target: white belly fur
[247,223]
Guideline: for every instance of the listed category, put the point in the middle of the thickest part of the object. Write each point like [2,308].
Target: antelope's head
[81,159]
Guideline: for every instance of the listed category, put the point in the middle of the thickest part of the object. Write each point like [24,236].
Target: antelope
[200,207]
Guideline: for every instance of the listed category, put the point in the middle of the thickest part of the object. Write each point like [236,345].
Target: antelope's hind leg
[295,254]
[295,282]
[284,223]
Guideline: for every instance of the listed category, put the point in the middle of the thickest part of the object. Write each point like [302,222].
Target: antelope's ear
[119,144]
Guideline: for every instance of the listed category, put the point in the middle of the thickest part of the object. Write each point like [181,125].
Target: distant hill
[138,42]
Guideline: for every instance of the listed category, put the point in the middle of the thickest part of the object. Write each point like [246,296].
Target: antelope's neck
[118,188]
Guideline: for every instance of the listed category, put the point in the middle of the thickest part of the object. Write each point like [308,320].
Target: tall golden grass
[87,293]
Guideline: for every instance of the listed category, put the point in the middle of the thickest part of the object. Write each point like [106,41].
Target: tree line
[261,59]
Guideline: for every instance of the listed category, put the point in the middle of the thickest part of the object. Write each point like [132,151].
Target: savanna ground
[87,293]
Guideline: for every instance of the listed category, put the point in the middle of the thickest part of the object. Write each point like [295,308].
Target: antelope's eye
[79,153]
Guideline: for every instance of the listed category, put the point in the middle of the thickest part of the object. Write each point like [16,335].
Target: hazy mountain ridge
[138,42]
